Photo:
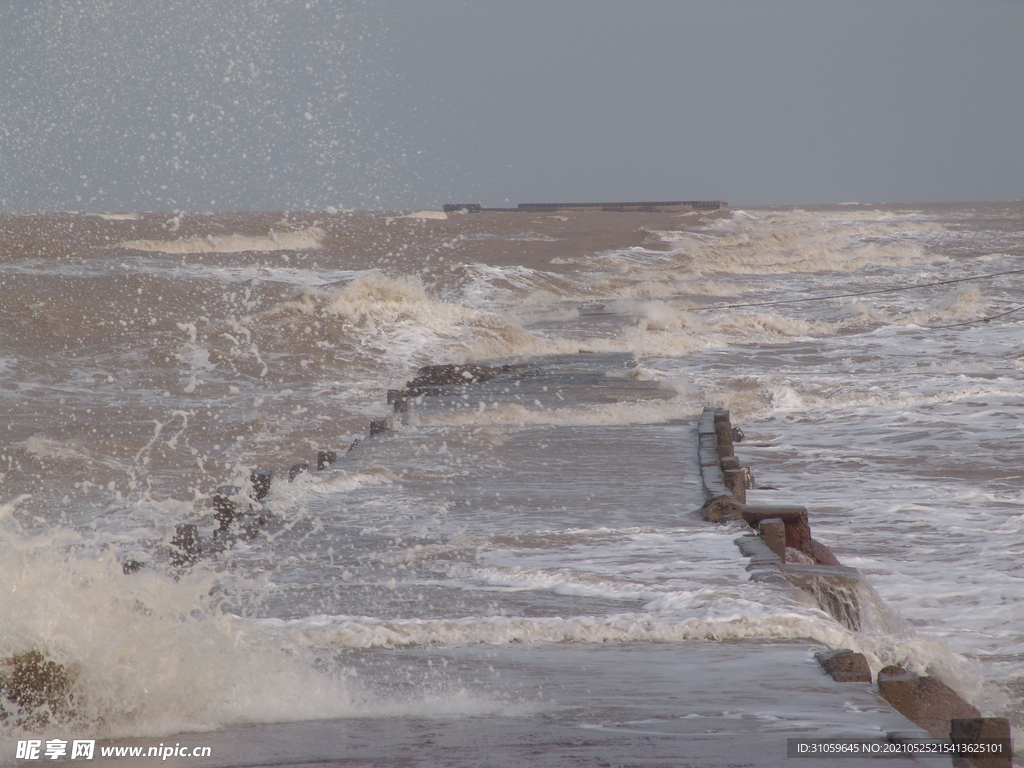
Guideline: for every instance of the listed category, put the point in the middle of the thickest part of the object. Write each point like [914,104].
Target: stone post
[260,479]
[324,459]
[773,533]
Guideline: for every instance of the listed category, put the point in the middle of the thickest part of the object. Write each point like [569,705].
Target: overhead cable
[978,320]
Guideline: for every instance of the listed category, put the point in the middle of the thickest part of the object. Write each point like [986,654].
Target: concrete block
[773,533]
[324,459]
[260,479]
[925,700]
[821,554]
[990,737]
[720,507]
[380,426]
[899,687]
[845,666]
[297,469]
[798,529]
[185,545]
[735,481]
[400,399]
[39,686]
[225,510]
[723,431]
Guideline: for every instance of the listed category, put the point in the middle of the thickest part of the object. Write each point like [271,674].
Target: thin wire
[860,293]
[979,320]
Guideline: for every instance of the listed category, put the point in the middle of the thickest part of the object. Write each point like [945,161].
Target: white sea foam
[56,450]
[515,286]
[397,319]
[151,655]
[147,654]
[797,241]
[427,215]
[723,620]
[272,274]
[306,239]
[365,632]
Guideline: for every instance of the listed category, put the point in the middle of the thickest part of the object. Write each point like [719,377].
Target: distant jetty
[673,206]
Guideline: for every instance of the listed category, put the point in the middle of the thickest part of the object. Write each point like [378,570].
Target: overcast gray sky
[111,105]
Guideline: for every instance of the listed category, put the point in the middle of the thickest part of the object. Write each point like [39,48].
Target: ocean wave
[307,239]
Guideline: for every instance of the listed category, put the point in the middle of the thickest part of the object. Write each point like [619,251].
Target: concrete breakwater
[658,491]
[670,206]
[239,512]
[782,551]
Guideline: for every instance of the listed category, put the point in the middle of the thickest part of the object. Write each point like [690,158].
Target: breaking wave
[303,240]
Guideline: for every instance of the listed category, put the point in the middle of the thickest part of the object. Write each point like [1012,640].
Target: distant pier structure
[674,206]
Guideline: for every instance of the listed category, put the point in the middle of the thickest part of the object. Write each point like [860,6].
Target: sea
[512,571]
